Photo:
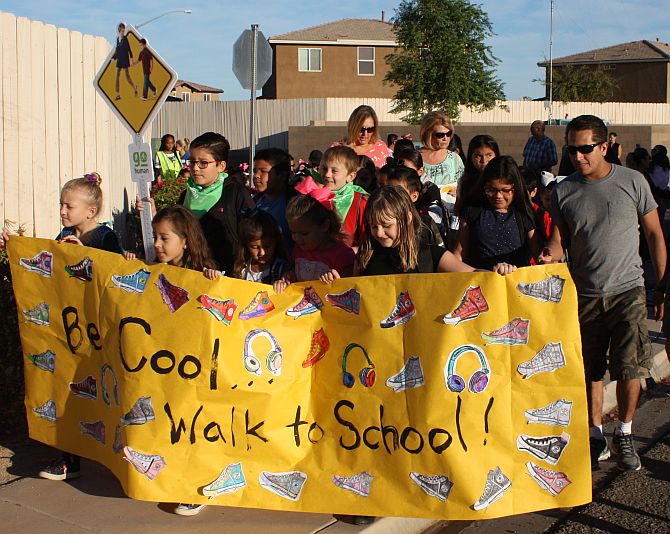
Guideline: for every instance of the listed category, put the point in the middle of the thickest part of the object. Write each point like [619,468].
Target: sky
[199,46]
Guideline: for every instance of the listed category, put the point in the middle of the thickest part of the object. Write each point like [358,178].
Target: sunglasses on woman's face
[369,130]
[442,135]
[583,149]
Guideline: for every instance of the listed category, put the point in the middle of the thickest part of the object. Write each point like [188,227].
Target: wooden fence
[53,125]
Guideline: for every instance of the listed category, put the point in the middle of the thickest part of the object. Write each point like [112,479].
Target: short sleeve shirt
[602,218]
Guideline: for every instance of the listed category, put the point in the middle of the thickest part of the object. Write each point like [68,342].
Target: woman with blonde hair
[440,165]
[363,136]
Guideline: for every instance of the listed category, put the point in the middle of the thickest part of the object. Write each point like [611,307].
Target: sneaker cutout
[552,481]
[547,290]
[47,411]
[44,360]
[81,271]
[86,389]
[308,304]
[438,486]
[150,465]
[359,484]
[547,448]
[260,306]
[288,485]
[348,301]
[558,413]
[221,310]
[141,412]
[173,296]
[317,348]
[41,264]
[409,376]
[230,480]
[96,430]
[513,333]
[472,305]
[496,486]
[402,312]
[132,283]
[38,315]
[547,360]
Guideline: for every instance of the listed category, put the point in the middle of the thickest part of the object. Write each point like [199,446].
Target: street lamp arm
[186,11]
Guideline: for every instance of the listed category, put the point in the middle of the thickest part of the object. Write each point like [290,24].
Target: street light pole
[186,11]
[551,61]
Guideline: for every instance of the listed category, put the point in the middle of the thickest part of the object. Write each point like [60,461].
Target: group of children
[297,228]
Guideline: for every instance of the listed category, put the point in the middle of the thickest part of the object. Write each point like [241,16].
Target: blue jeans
[147,85]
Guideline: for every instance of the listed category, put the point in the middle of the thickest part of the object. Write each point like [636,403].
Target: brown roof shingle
[634,51]
[343,30]
[198,87]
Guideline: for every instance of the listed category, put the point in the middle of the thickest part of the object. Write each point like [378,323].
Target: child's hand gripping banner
[456,396]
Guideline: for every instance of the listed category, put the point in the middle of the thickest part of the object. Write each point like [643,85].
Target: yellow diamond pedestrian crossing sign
[134,80]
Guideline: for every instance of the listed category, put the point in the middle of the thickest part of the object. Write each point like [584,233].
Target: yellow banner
[456,396]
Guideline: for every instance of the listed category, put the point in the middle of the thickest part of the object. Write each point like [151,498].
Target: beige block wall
[338,77]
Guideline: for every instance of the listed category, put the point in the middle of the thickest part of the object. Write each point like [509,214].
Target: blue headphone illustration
[367,375]
[479,379]
[273,359]
[105,393]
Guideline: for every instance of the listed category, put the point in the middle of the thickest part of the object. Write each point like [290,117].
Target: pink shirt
[378,153]
[310,265]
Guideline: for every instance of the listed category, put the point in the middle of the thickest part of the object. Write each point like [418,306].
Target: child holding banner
[80,204]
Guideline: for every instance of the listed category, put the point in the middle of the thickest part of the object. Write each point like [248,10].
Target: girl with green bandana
[216,200]
[338,170]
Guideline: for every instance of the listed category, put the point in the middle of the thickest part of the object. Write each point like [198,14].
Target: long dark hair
[471,175]
[259,225]
[503,168]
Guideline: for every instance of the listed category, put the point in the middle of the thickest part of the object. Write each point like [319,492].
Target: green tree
[442,60]
[582,83]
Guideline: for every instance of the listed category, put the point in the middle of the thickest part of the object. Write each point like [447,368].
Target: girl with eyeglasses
[363,136]
[497,223]
[440,165]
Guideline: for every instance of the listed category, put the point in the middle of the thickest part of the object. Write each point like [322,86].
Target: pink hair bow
[243,166]
[310,188]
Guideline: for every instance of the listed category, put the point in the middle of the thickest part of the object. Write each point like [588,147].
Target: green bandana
[200,199]
[344,198]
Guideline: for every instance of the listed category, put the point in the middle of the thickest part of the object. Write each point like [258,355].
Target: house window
[366,61]
[186,97]
[309,59]
[206,97]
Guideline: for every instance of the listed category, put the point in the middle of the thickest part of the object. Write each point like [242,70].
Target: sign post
[136,105]
[252,65]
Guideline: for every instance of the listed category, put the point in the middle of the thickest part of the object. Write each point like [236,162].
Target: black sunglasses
[440,135]
[583,149]
[371,129]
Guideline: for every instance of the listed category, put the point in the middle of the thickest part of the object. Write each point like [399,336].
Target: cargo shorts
[614,336]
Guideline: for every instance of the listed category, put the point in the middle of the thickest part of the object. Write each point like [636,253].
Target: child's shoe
[189,509]
[65,468]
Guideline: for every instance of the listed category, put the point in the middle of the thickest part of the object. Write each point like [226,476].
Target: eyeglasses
[442,135]
[490,191]
[583,149]
[371,129]
[202,163]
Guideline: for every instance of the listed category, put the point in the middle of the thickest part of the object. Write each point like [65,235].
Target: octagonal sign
[242,59]
[134,80]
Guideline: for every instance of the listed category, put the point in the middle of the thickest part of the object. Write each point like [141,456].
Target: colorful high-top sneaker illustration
[553,481]
[96,430]
[230,480]
[317,349]
[288,485]
[150,465]
[47,411]
[549,359]
[402,312]
[547,448]
[358,484]
[118,444]
[555,414]
[173,296]
[38,315]
[221,310]
[310,303]
[141,412]
[513,333]
[261,305]
[436,486]
[547,290]
[472,305]
[86,389]
[410,376]
[132,283]
[41,264]
[496,486]
[349,301]
[44,360]
[81,271]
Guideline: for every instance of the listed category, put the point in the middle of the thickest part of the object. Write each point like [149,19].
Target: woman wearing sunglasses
[363,136]
[440,165]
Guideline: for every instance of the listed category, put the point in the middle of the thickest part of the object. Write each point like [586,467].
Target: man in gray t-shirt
[595,214]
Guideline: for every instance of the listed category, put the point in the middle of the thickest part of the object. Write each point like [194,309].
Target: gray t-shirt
[602,219]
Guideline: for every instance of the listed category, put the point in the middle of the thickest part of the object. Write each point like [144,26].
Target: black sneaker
[359,520]
[622,444]
[189,509]
[599,451]
[64,468]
